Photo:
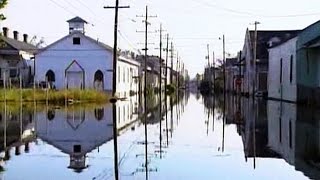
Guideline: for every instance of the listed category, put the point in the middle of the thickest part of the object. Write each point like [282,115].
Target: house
[81,62]
[15,56]
[282,84]
[127,74]
[256,73]
[153,71]
[308,64]
[75,61]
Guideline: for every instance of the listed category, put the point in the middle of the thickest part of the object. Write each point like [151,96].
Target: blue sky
[192,23]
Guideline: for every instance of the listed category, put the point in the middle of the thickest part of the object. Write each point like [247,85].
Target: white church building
[81,62]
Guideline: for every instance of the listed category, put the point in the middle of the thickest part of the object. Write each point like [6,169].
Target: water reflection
[204,137]
[272,130]
[75,131]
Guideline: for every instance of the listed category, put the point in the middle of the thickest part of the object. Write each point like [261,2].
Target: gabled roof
[264,37]
[19,45]
[102,45]
[77,19]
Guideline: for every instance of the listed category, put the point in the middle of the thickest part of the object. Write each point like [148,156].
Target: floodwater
[195,138]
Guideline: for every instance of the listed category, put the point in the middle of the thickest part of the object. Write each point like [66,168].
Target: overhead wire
[250,14]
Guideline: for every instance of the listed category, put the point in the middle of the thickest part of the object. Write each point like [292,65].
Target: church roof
[77,19]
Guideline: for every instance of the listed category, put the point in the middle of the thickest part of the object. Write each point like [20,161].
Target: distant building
[231,74]
[15,58]
[256,73]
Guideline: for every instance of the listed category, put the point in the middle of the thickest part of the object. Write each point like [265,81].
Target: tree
[39,43]
[3,4]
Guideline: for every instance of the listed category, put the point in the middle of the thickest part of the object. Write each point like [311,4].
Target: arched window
[98,80]
[99,113]
[50,76]
[291,68]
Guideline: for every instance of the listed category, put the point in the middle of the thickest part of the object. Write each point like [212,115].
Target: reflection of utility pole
[171,57]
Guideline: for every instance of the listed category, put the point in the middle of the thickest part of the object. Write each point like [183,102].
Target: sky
[191,24]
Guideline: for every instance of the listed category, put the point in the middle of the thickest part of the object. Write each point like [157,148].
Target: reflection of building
[254,131]
[127,112]
[294,134]
[76,131]
[16,131]
[281,128]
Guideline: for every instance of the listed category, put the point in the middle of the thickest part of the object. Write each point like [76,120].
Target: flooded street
[197,138]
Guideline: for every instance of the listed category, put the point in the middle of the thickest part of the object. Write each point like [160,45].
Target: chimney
[5,31]
[16,35]
[25,38]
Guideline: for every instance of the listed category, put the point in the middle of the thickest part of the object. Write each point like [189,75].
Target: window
[124,74]
[280,130]
[291,67]
[128,74]
[280,70]
[76,40]
[77,148]
[13,73]
[290,134]
[99,113]
[308,68]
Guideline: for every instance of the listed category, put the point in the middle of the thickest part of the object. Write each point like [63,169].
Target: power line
[250,14]
[87,7]
[59,5]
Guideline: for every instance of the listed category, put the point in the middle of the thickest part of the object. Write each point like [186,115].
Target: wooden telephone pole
[115,45]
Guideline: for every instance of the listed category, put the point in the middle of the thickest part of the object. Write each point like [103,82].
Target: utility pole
[213,65]
[166,72]
[115,45]
[171,74]
[208,56]
[114,84]
[255,57]
[224,68]
[177,70]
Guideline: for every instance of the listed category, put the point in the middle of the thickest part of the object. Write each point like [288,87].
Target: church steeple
[77,24]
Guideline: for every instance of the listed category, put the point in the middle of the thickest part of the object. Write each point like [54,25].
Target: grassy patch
[54,96]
